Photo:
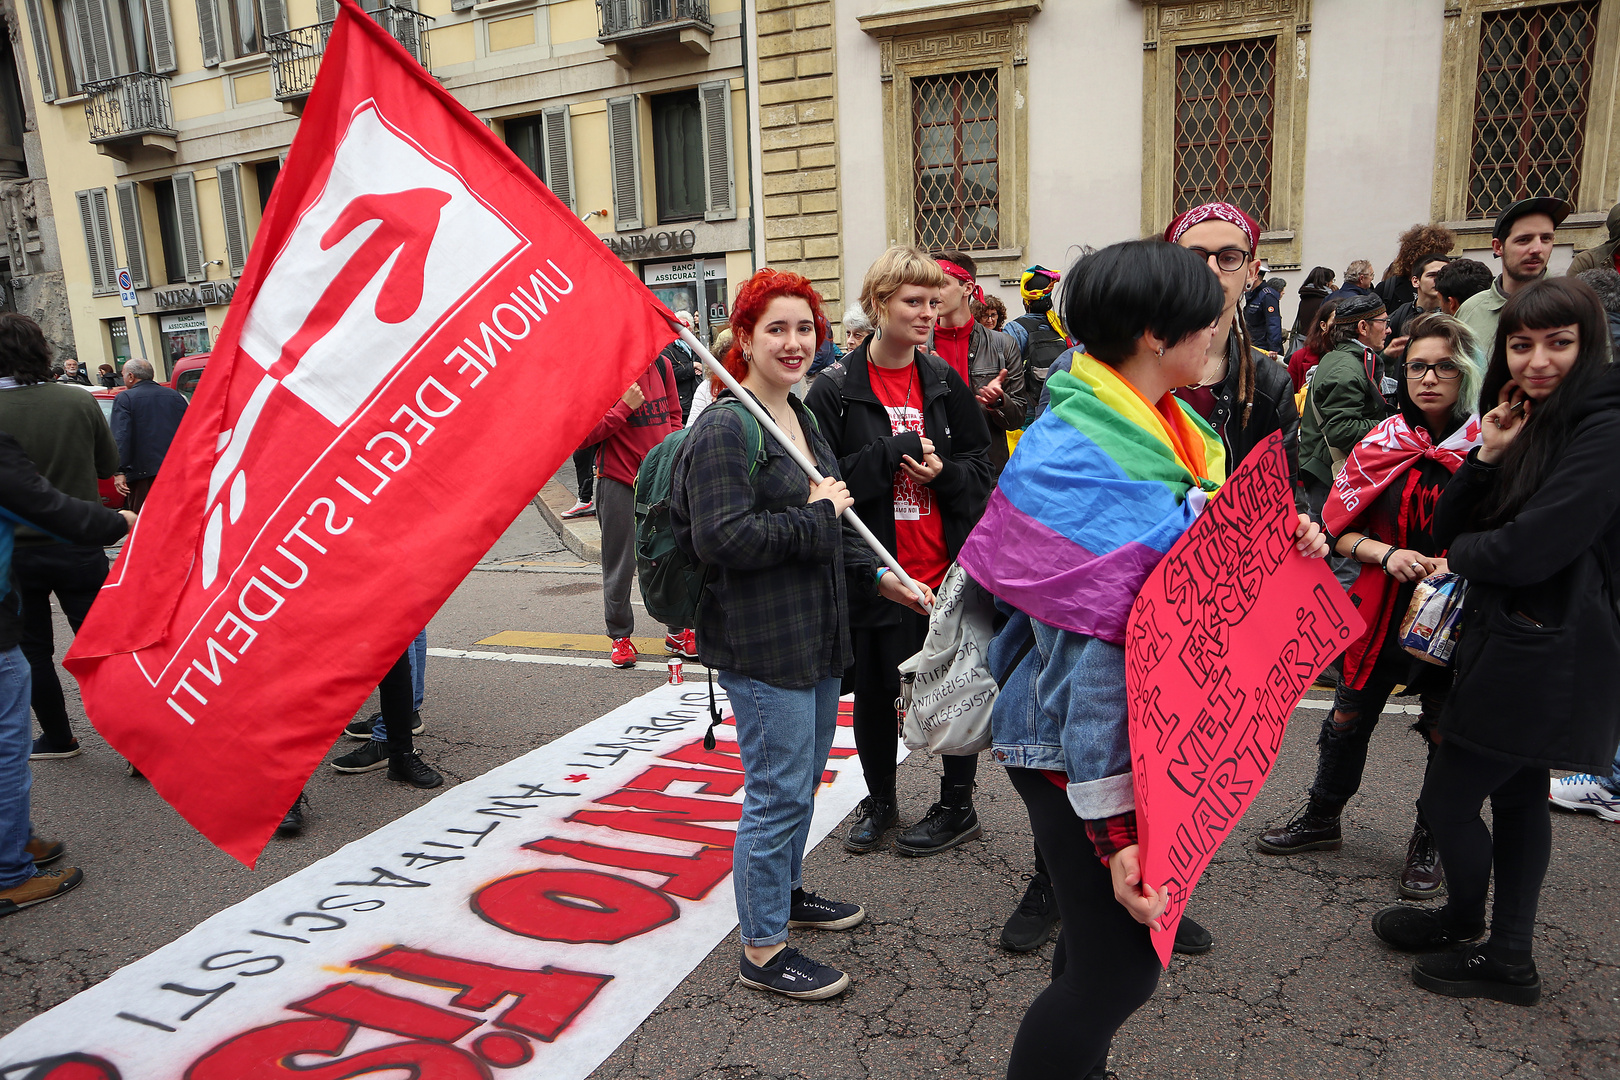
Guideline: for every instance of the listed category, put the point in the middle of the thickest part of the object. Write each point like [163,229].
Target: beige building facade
[162,125]
[1021,130]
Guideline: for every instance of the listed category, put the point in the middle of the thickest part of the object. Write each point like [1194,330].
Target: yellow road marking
[531,639]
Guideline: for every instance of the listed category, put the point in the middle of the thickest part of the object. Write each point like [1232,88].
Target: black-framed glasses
[1445,369]
[1227,258]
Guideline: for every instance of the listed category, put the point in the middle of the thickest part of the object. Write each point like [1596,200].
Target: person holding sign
[775,618]
[1102,486]
[1381,511]
[1532,521]
[914,447]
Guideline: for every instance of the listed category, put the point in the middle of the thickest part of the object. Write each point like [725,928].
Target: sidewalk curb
[582,536]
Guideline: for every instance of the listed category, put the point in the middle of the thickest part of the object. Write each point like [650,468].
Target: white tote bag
[946,690]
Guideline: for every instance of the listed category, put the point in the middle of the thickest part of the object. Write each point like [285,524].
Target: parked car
[187,373]
[104,397]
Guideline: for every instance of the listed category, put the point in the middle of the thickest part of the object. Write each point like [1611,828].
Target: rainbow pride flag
[1093,498]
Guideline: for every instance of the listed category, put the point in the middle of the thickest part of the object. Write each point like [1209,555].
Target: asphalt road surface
[1296,986]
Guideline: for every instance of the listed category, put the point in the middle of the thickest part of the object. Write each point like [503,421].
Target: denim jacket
[1063,709]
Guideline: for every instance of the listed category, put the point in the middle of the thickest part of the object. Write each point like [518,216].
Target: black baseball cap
[1557,209]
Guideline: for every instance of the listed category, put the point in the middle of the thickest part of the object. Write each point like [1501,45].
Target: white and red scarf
[1383,454]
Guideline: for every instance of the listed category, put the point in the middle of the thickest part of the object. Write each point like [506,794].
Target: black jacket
[144,420]
[1538,656]
[775,606]
[26,495]
[857,426]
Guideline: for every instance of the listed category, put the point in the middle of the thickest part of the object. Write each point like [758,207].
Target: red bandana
[1215,211]
[974,292]
[1383,454]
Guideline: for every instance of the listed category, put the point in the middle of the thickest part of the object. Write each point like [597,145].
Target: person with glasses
[1243,393]
[1349,396]
[1381,516]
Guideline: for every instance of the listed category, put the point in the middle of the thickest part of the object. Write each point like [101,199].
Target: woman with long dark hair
[1318,287]
[1114,471]
[774,616]
[1379,514]
[1317,344]
[1532,521]
[914,447]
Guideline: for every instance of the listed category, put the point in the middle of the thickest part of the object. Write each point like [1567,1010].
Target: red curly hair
[753,298]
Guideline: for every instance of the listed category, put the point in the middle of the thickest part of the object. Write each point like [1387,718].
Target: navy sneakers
[792,974]
[812,912]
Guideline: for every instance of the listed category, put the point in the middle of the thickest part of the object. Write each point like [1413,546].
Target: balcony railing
[623,20]
[296,55]
[127,107]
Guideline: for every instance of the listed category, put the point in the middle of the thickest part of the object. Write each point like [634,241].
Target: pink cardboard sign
[1229,630]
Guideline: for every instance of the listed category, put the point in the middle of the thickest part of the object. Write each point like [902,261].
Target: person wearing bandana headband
[1244,394]
[988,360]
[1039,333]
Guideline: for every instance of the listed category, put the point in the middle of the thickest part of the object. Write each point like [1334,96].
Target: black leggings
[1458,783]
[876,685]
[396,698]
[1105,967]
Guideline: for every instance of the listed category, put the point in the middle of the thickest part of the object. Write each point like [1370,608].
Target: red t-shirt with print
[919,533]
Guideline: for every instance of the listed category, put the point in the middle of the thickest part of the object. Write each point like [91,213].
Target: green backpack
[671,580]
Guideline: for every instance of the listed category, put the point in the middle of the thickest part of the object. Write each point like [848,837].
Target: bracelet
[881,571]
[1357,544]
[1383,564]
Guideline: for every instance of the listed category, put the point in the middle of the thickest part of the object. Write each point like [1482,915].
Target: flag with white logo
[422,334]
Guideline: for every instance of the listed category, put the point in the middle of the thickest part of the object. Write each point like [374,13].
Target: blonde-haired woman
[914,448]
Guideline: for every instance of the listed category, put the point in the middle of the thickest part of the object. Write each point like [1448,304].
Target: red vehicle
[187,373]
[104,397]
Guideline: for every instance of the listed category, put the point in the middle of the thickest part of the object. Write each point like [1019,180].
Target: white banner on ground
[520,925]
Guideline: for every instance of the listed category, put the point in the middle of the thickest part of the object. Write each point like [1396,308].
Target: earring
[1161,352]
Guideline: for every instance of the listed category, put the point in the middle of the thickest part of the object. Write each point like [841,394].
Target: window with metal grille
[1224,111]
[958,192]
[1535,71]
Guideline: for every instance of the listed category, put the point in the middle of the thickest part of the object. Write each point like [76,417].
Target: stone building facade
[31,279]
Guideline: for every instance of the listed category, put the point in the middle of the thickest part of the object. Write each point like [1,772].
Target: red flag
[422,334]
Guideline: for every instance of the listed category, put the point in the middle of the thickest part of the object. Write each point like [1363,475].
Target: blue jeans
[784,737]
[418,656]
[16,742]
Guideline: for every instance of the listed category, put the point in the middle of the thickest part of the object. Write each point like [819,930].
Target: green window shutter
[185,212]
[230,202]
[559,154]
[208,31]
[43,60]
[129,222]
[719,187]
[157,19]
[624,151]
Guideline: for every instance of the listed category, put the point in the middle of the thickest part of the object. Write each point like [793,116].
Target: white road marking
[658,666]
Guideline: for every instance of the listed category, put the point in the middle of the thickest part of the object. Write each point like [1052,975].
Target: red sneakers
[682,644]
[624,652]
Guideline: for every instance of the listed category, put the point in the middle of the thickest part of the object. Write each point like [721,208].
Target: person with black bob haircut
[1532,522]
[1146,311]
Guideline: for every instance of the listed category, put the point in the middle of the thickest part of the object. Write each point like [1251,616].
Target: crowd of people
[1442,421]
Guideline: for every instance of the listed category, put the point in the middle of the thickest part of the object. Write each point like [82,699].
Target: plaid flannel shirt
[1112,834]
[775,606]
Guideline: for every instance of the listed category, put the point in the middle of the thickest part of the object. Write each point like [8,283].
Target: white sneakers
[1585,792]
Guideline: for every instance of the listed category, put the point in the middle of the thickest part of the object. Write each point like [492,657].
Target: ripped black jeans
[1348,728]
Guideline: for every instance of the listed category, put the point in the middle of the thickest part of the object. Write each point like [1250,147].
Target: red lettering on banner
[266,1053]
[548,999]
[574,906]
[691,877]
[659,777]
[369,1007]
[65,1067]
[668,817]
[725,755]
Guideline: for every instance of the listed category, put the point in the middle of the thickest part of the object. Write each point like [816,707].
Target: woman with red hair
[773,617]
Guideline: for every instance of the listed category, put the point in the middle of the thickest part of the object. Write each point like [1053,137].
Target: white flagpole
[799,456]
